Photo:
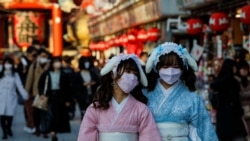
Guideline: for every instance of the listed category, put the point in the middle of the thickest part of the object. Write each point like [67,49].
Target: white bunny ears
[114,61]
[166,48]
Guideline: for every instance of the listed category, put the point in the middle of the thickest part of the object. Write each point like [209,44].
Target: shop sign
[28,26]
[130,17]
[196,3]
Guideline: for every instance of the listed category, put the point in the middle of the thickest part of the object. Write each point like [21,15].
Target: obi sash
[117,136]
[173,131]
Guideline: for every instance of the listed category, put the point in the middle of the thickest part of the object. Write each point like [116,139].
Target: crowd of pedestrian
[152,97]
[37,72]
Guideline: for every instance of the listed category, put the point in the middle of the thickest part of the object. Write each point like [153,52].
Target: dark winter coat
[59,121]
[229,122]
[81,94]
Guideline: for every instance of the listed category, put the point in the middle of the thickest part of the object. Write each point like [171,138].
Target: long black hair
[11,61]
[188,76]
[104,92]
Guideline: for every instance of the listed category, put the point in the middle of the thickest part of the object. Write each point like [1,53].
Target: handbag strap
[46,85]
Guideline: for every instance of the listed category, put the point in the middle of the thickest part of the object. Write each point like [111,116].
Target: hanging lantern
[131,48]
[117,41]
[124,39]
[102,46]
[92,46]
[154,34]
[245,14]
[142,35]
[194,26]
[28,26]
[131,37]
[219,22]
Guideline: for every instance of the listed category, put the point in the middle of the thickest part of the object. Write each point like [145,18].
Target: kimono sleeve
[88,129]
[148,130]
[201,127]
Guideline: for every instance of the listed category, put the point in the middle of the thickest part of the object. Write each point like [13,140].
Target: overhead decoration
[97,7]
[142,35]
[131,37]
[124,39]
[245,14]
[154,34]
[194,26]
[67,5]
[219,22]
[28,26]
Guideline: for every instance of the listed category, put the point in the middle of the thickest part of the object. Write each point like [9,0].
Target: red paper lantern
[131,48]
[117,41]
[131,37]
[154,34]
[219,21]
[245,14]
[92,46]
[124,39]
[102,46]
[28,26]
[142,35]
[194,26]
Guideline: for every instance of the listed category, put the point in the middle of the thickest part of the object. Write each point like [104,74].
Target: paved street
[20,135]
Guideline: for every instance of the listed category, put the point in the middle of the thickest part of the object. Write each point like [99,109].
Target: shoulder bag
[41,101]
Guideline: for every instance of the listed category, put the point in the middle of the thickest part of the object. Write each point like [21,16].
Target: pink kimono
[133,118]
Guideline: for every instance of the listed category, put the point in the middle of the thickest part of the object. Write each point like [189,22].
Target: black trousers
[6,124]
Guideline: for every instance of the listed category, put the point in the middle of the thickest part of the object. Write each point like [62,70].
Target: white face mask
[170,75]
[43,60]
[57,65]
[7,66]
[86,65]
[127,82]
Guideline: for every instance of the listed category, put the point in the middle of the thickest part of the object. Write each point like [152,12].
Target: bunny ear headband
[114,61]
[166,48]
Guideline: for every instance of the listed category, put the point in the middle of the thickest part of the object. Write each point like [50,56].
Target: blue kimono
[178,105]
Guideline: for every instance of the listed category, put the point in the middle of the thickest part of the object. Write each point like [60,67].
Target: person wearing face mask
[85,83]
[179,112]
[10,84]
[31,85]
[57,117]
[118,111]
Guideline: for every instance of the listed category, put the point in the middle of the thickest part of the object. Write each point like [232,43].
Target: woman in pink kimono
[118,111]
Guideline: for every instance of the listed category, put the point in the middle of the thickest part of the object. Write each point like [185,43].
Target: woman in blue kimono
[178,111]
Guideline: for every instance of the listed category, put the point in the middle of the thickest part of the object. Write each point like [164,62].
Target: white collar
[119,106]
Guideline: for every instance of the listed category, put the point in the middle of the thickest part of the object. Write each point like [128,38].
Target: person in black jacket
[85,83]
[229,123]
[58,99]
